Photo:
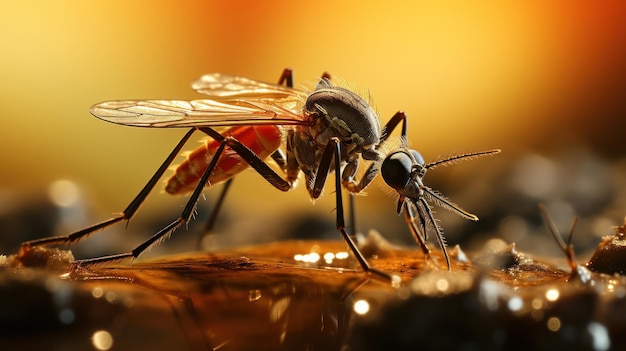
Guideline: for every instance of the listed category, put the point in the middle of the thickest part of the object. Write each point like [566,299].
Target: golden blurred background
[545,82]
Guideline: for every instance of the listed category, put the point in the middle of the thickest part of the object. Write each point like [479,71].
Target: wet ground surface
[305,295]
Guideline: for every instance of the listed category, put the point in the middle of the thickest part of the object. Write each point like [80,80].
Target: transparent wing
[197,113]
[219,87]
[231,101]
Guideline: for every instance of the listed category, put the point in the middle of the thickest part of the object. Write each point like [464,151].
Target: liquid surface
[303,295]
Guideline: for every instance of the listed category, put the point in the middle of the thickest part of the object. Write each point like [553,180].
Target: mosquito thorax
[347,115]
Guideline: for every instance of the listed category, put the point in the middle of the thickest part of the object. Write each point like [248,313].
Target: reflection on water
[262,298]
[102,340]
[234,302]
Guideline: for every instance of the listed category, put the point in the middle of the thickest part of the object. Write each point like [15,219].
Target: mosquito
[331,128]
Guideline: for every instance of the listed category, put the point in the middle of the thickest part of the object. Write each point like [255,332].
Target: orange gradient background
[470,75]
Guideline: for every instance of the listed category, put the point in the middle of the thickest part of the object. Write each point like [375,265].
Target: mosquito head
[403,170]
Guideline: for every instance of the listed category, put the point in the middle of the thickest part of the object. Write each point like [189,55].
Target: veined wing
[199,113]
[218,86]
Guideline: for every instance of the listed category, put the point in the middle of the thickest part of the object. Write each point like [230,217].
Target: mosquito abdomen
[262,140]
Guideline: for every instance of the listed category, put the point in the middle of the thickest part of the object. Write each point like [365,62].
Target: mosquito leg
[246,154]
[278,157]
[286,78]
[210,224]
[160,235]
[391,125]
[127,214]
[333,152]
[352,204]
[251,158]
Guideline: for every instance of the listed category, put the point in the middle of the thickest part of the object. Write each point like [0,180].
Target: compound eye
[396,169]
[418,157]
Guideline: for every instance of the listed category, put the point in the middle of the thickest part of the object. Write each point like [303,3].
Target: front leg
[331,158]
[303,156]
[348,180]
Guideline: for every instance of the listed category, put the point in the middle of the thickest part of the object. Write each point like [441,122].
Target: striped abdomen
[263,140]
